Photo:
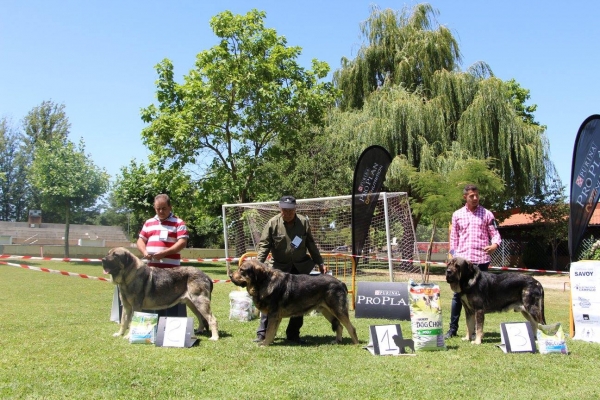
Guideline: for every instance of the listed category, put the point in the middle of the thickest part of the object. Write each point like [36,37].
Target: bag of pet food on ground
[426,316]
[241,306]
[143,328]
[551,339]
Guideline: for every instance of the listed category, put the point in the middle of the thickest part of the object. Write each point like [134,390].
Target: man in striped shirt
[474,236]
[161,240]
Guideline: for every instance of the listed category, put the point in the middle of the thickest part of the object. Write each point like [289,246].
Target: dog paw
[117,334]
[214,338]
[466,338]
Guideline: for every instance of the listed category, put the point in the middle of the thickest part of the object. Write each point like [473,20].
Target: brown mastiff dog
[150,288]
[483,292]
[282,295]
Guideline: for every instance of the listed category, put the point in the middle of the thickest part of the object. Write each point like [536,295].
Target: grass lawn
[56,342]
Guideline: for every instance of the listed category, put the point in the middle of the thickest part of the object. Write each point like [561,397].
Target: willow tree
[405,91]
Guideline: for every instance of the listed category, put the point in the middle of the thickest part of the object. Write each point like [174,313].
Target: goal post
[390,251]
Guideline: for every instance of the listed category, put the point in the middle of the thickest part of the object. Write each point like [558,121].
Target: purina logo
[287,201]
[579,181]
[360,188]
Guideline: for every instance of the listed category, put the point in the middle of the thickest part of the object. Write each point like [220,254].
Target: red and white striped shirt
[163,234]
[471,232]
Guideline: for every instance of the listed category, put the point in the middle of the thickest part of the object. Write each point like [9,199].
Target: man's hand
[323,269]
[491,248]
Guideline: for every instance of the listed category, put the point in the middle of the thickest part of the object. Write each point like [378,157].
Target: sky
[98,57]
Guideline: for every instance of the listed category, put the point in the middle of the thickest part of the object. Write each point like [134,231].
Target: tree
[244,96]
[66,179]
[405,92]
[440,192]
[134,193]
[549,212]
[43,124]
[13,180]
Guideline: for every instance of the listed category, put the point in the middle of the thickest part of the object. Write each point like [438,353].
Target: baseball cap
[287,202]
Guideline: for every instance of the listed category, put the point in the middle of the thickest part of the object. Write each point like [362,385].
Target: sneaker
[450,334]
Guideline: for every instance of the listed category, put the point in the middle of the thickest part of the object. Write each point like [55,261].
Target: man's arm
[141,245]
[176,248]
[264,245]
[453,235]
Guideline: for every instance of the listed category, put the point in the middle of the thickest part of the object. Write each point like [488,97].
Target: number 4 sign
[517,337]
[387,340]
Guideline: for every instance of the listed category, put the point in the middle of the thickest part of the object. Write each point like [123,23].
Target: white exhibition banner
[585,300]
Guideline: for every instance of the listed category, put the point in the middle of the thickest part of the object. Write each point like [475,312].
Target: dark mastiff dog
[483,292]
[150,288]
[282,295]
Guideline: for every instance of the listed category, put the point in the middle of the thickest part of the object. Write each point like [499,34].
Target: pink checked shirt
[471,232]
[163,234]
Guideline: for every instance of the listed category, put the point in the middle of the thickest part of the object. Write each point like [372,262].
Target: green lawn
[56,342]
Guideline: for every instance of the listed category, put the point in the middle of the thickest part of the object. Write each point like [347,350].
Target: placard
[387,300]
[517,337]
[175,332]
[117,308]
[388,340]
[585,300]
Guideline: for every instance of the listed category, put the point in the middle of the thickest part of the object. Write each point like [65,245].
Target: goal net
[390,252]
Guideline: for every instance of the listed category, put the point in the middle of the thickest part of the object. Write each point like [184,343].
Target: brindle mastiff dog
[483,292]
[150,288]
[282,295]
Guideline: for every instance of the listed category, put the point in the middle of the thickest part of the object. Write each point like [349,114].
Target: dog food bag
[551,339]
[143,328]
[241,306]
[426,316]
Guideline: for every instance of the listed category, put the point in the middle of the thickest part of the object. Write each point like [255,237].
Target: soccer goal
[390,251]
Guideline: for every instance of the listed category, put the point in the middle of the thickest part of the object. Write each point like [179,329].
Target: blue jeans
[456,306]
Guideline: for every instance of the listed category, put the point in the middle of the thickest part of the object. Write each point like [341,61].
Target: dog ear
[475,272]
[127,258]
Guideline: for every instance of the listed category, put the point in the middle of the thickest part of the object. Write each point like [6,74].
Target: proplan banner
[585,180]
[369,174]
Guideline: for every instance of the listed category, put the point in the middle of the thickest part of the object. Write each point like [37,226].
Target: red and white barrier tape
[543,271]
[54,271]
[84,276]
[209,259]
[8,256]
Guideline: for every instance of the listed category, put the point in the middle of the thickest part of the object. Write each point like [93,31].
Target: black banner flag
[585,180]
[369,174]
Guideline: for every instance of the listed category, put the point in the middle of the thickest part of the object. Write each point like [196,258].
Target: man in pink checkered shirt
[474,236]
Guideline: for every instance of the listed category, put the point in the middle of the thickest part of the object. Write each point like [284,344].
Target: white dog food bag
[426,316]
[143,328]
[241,306]
[551,339]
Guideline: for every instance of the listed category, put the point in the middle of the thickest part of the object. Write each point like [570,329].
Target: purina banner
[369,174]
[585,180]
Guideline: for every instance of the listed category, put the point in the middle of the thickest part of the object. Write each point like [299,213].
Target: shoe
[258,339]
[450,334]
